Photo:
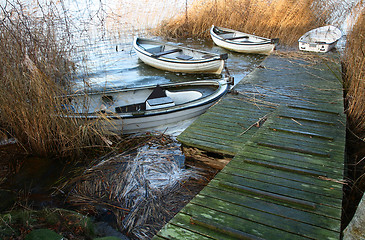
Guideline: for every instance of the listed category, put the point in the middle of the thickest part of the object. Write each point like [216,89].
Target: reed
[354,80]
[35,68]
[283,19]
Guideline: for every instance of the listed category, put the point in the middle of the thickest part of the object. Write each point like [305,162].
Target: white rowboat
[321,39]
[144,108]
[176,58]
[241,42]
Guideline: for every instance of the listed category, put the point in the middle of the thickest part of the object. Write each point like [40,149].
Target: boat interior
[138,101]
[173,52]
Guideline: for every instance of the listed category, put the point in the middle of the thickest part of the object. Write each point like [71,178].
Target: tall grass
[354,62]
[35,68]
[283,19]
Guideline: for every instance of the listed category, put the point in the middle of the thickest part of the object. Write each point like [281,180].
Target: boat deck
[284,124]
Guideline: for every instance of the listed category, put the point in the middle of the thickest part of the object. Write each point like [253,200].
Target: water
[108,60]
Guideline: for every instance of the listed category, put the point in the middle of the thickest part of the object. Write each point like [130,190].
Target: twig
[296,121]
[257,123]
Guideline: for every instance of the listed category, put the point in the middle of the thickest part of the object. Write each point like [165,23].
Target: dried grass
[283,19]
[354,79]
[35,68]
[143,188]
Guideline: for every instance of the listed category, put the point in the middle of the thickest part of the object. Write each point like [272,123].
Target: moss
[19,223]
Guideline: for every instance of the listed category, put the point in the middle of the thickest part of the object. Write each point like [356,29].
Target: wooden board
[285,180]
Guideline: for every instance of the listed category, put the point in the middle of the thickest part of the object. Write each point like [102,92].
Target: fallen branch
[256,124]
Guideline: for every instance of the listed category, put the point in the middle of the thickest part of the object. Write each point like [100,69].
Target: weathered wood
[314,217]
[254,215]
[285,179]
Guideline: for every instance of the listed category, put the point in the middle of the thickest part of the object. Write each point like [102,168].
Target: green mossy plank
[306,118]
[207,146]
[291,133]
[222,140]
[252,150]
[294,147]
[224,134]
[309,187]
[283,188]
[314,217]
[185,221]
[242,167]
[322,210]
[286,160]
[279,222]
[158,238]
[171,231]
[299,142]
[236,220]
[325,130]
[304,161]
[321,128]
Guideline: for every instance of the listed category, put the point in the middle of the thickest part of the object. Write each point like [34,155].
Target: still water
[106,57]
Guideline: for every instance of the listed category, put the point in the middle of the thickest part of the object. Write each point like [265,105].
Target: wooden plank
[285,179]
[313,164]
[280,173]
[314,217]
[324,148]
[287,190]
[322,210]
[238,221]
[251,150]
[209,137]
[296,180]
[276,221]
[171,231]
[207,145]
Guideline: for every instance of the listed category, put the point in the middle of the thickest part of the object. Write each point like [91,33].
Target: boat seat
[239,37]
[159,54]
[184,57]
[153,48]
[159,101]
[207,56]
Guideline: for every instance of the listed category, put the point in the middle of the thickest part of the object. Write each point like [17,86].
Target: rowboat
[141,109]
[241,42]
[174,58]
[321,39]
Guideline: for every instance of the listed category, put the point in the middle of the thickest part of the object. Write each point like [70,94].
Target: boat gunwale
[222,89]
[213,34]
[140,49]
[337,31]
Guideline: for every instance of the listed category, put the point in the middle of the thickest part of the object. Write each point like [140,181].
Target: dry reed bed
[34,69]
[143,187]
[283,19]
[354,80]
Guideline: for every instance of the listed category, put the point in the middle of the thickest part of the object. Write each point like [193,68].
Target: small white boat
[321,39]
[142,109]
[241,42]
[176,58]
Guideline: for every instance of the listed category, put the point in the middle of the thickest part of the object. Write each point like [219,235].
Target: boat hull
[260,46]
[212,65]
[321,39]
[149,123]
[143,120]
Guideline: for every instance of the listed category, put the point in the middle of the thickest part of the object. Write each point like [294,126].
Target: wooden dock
[284,124]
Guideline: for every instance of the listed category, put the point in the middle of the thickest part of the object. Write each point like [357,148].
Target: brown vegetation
[354,62]
[34,69]
[283,19]
[354,83]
